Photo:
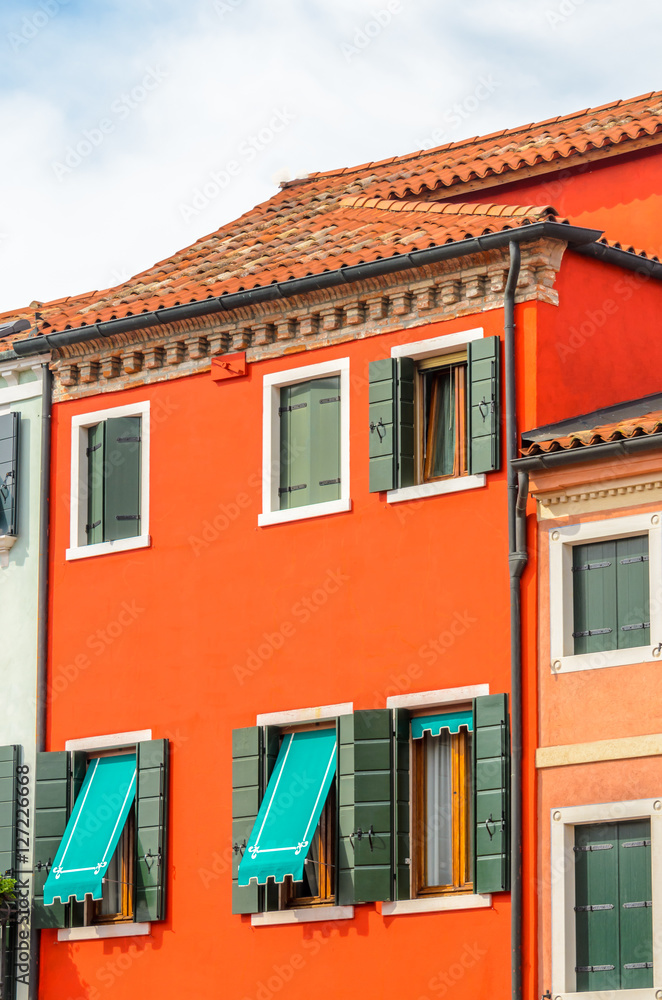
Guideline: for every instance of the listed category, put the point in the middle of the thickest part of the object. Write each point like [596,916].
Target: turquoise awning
[93,830]
[291,808]
[450,722]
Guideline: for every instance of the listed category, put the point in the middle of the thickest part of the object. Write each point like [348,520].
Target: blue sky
[132,127]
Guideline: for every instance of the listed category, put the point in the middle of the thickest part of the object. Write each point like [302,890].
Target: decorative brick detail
[110,367]
[401,302]
[498,281]
[426,298]
[332,319]
[546,276]
[474,286]
[154,357]
[219,341]
[132,362]
[68,374]
[88,371]
[286,329]
[263,333]
[175,353]
[241,340]
[449,292]
[309,325]
[378,308]
[355,314]
[526,277]
[197,347]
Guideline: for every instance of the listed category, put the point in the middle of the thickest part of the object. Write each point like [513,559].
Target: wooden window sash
[461,819]
[127,846]
[428,426]
[326,864]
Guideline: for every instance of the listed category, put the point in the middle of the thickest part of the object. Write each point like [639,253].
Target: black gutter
[589,453]
[42,609]
[621,258]
[517,559]
[317,282]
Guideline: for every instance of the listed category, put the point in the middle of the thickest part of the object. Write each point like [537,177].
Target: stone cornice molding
[599,496]
[403,300]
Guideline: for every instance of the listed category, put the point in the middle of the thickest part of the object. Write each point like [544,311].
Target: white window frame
[562,878]
[271,513]
[304,914]
[418,351]
[561,541]
[95,932]
[78,549]
[436,701]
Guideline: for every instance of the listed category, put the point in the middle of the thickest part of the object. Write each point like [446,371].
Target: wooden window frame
[425,427]
[327,853]
[461,785]
[127,847]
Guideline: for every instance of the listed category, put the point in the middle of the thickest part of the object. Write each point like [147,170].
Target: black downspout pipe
[42,610]
[516,562]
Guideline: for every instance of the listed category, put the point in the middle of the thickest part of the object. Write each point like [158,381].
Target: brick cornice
[448,289]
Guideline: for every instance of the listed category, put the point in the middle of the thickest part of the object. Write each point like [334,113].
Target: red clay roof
[648,423]
[359,214]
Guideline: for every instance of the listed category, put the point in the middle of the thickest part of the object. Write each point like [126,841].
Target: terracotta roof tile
[649,423]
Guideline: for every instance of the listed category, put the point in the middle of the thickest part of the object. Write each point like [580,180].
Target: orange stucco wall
[226,620]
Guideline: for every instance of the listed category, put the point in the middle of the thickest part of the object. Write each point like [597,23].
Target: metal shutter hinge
[626,562]
[89,527]
[594,968]
[288,409]
[328,482]
[637,843]
[637,906]
[291,489]
[589,909]
[631,628]
[129,440]
[638,965]
[95,447]
[330,399]
[592,631]
[585,566]
[127,517]
[594,847]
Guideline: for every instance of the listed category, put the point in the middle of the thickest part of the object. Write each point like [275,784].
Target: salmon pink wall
[220,620]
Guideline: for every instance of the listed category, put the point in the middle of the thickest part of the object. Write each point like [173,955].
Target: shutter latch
[239,848]
[150,858]
[379,427]
[95,447]
[291,489]
[486,408]
[359,834]
[90,527]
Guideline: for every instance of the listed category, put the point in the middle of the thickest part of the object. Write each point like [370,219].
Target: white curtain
[439,860]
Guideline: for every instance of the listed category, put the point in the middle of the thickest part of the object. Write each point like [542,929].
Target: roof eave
[589,453]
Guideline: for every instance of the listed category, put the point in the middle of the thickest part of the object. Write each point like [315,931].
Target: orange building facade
[241,581]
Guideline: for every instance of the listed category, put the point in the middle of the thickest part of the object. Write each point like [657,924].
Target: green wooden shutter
[324,439]
[9,756]
[152,829]
[483,405]
[122,467]
[9,424]
[392,426]
[247,788]
[52,801]
[635,904]
[78,762]
[365,800]
[295,445]
[595,624]
[597,907]
[95,483]
[632,592]
[402,844]
[491,772]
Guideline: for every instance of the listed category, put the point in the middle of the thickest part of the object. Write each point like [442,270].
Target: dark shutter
[247,788]
[95,483]
[483,404]
[366,804]
[491,752]
[8,854]
[392,433]
[122,478]
[52,800]
[632,592]
[635,904]
[596,907]
[151,830]
[595,625]
[402,840]
[9,424]
[324,439]
[295,446]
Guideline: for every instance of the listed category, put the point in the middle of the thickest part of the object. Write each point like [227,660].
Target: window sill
[609,658]
[458,485]
[303,916]
[103,548]
[299,513]
[436,904]
[99,931]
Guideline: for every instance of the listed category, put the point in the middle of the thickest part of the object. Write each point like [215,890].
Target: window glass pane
[439,801]
[112,888]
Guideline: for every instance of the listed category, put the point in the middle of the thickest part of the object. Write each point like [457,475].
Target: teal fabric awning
[449,722]
[291,808]
[93,830]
